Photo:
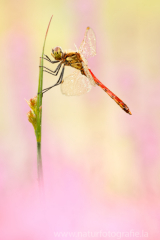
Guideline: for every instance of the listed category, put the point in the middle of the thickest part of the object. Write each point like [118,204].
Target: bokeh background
[101,166]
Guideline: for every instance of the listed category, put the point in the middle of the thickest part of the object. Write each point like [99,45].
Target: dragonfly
[82,79]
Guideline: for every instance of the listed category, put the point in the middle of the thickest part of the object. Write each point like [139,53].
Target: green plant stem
[39,162]
[39,113]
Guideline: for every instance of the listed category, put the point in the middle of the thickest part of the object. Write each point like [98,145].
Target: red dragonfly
[82,79]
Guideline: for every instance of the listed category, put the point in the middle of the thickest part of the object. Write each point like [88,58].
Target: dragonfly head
[57,53]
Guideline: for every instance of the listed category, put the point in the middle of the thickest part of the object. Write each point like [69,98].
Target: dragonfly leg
[57,83]
[48,59]
[55,72]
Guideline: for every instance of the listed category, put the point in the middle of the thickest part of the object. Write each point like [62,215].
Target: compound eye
[57,49]
[57,53]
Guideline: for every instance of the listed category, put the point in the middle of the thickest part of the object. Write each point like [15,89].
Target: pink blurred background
[101,165]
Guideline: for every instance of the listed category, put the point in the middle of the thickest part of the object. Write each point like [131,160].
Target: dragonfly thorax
[57,53]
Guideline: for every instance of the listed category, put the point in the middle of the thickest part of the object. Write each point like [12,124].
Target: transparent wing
[75,84]
[88,74]
[88,45]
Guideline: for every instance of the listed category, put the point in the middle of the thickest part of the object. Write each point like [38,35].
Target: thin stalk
[39,113]
[39,162]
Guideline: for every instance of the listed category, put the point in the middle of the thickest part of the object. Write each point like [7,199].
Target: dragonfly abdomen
[111,94]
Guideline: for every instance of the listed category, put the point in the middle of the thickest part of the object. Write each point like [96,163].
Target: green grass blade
[39,111]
